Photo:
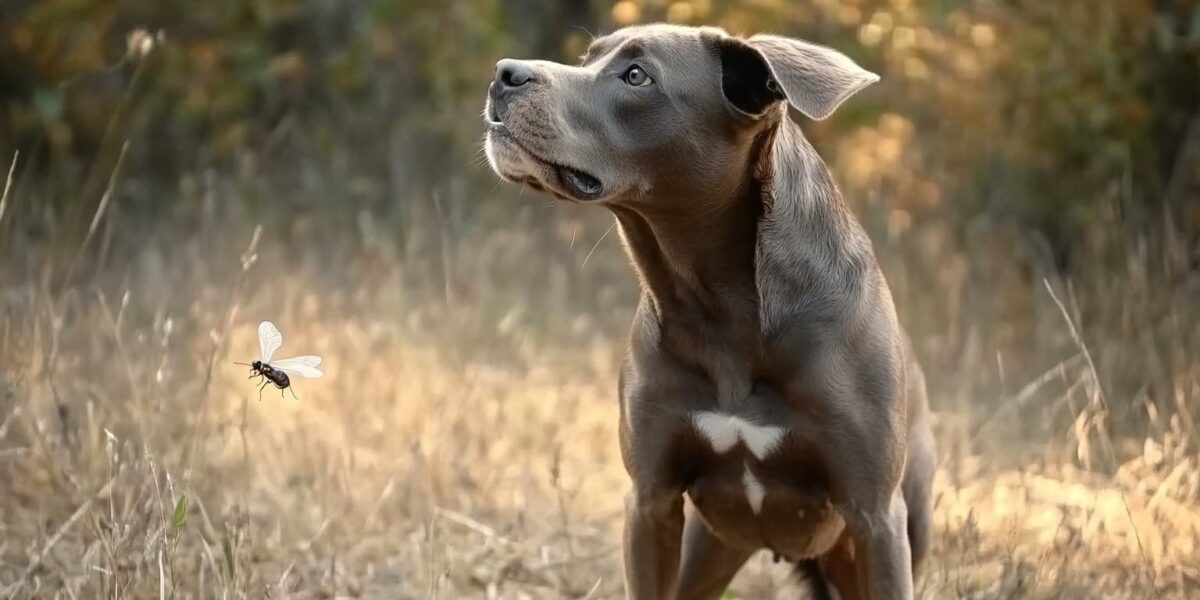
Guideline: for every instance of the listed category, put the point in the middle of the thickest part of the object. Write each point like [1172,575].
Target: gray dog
[767,377]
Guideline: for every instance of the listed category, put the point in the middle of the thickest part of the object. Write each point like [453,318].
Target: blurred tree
[540,28]
[1046,114]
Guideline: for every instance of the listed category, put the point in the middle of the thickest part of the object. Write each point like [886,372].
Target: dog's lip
[491,118]
[577,183]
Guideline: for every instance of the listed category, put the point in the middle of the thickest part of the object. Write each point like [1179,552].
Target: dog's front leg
[653,530]
[882,553]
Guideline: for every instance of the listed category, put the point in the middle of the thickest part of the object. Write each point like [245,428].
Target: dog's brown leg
[922,463]
[917,488]
[708,563]
[882,552]
[653,529]
[840,570]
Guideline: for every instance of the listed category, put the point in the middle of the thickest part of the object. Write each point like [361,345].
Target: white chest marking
[724,431]
[755,492]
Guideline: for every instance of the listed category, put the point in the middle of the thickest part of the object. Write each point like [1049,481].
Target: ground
[456,450]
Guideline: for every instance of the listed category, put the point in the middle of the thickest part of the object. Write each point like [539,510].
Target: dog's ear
[816,80]
[746,80]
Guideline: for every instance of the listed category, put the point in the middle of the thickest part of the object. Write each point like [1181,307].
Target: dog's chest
[756,479]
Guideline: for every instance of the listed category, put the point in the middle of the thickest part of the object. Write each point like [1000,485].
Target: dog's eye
[637,77]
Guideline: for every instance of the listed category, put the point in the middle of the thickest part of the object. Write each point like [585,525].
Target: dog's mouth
[492,115]
[580,183]
[570,183]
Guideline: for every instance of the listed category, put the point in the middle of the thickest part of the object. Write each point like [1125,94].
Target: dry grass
[447,454]
[463,443]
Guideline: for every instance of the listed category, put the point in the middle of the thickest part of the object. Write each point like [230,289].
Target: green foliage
[179,517]
[1046,114]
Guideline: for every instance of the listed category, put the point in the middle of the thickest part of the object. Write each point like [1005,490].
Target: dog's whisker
[596,245]
[585,30]
[494,188]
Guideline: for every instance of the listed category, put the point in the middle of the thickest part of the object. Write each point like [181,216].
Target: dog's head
[655,111]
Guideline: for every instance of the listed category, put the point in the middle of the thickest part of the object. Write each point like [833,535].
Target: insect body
[271,374]
[276,372]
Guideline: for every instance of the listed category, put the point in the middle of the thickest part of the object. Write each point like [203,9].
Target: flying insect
[276,371]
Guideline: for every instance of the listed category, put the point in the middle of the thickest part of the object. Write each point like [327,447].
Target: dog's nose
[512,74]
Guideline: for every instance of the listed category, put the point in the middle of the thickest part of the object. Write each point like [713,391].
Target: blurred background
[176,172]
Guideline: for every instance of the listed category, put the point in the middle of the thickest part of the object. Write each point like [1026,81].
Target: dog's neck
[785,241]
[697,257]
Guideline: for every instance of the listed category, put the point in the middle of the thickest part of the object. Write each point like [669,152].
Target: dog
[767,377]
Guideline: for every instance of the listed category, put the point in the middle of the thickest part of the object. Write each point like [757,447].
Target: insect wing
[269,339]
[305,366]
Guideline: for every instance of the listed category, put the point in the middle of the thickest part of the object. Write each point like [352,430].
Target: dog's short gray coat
[767,377]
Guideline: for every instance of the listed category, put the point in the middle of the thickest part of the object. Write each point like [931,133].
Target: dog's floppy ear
[816,80]
[746,80]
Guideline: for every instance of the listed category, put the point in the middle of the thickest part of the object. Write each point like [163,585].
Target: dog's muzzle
[513,78]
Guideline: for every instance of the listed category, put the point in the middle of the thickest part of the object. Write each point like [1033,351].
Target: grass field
[463,443]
